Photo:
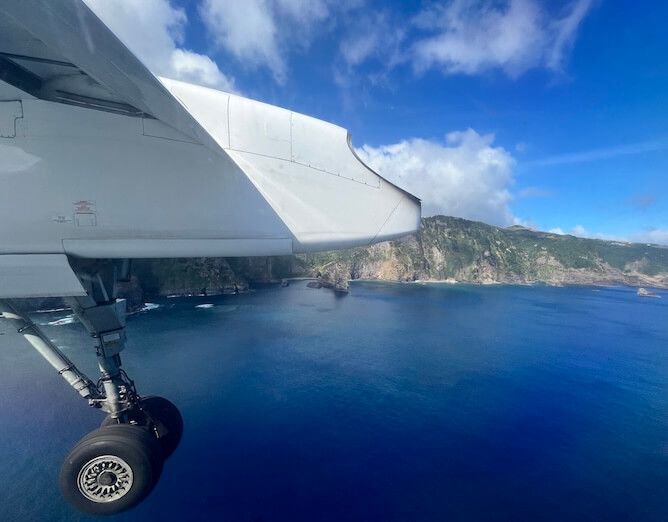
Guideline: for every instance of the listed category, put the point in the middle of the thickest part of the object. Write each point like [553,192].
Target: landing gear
[111,469]
[160,417]
[116,466]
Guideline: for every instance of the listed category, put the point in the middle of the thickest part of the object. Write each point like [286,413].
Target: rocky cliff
[211,276]
[444,249]
[458,250]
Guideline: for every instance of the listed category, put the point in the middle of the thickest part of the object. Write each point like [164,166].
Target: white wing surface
[100,158]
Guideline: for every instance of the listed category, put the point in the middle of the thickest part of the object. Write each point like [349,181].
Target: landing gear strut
[115,467]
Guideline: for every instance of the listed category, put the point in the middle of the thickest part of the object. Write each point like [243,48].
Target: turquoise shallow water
[396,402]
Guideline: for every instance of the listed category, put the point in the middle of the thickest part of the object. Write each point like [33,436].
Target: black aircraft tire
[121,461]
[152,410]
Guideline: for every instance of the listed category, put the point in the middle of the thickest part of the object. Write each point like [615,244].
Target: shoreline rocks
[642,292]
[336,277]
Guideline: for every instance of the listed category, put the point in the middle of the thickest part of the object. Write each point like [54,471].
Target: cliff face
[458,250]
[444,249]
[213,276]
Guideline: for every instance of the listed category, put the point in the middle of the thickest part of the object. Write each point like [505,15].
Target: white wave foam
[65,320]
[51,310]
[205,305]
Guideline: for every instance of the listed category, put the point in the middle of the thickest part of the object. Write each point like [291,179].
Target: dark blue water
[396,402]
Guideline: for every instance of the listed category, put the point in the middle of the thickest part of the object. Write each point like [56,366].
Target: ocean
[397,402]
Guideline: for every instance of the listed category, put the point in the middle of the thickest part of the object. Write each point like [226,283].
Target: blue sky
[548,114]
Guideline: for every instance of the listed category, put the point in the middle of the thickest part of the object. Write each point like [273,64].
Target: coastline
[507,283]
[438,282]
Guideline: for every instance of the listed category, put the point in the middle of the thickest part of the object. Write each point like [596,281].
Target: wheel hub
[105,479]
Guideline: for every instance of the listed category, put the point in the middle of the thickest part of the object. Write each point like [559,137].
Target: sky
[551,115]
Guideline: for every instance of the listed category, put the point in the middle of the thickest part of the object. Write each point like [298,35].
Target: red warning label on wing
[84,205]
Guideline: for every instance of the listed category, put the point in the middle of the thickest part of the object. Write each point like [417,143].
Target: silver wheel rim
[105,479]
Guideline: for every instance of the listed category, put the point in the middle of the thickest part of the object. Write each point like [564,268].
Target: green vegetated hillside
[445,249]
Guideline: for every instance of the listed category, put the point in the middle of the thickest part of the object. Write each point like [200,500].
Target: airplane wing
[119,163]
[59,50]
[100,162]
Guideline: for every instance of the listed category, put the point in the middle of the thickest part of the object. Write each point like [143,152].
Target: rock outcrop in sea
[642,292]
[335,276]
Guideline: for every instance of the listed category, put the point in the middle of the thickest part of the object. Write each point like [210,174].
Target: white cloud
[261,33]
[249,34]
[373,36]
[153,30]
[197,68]
[466,176]
[370,47]
[564,31]
[357,49]
[581,231]
[459,37]
[657,235]
[513,35]
[526,223]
